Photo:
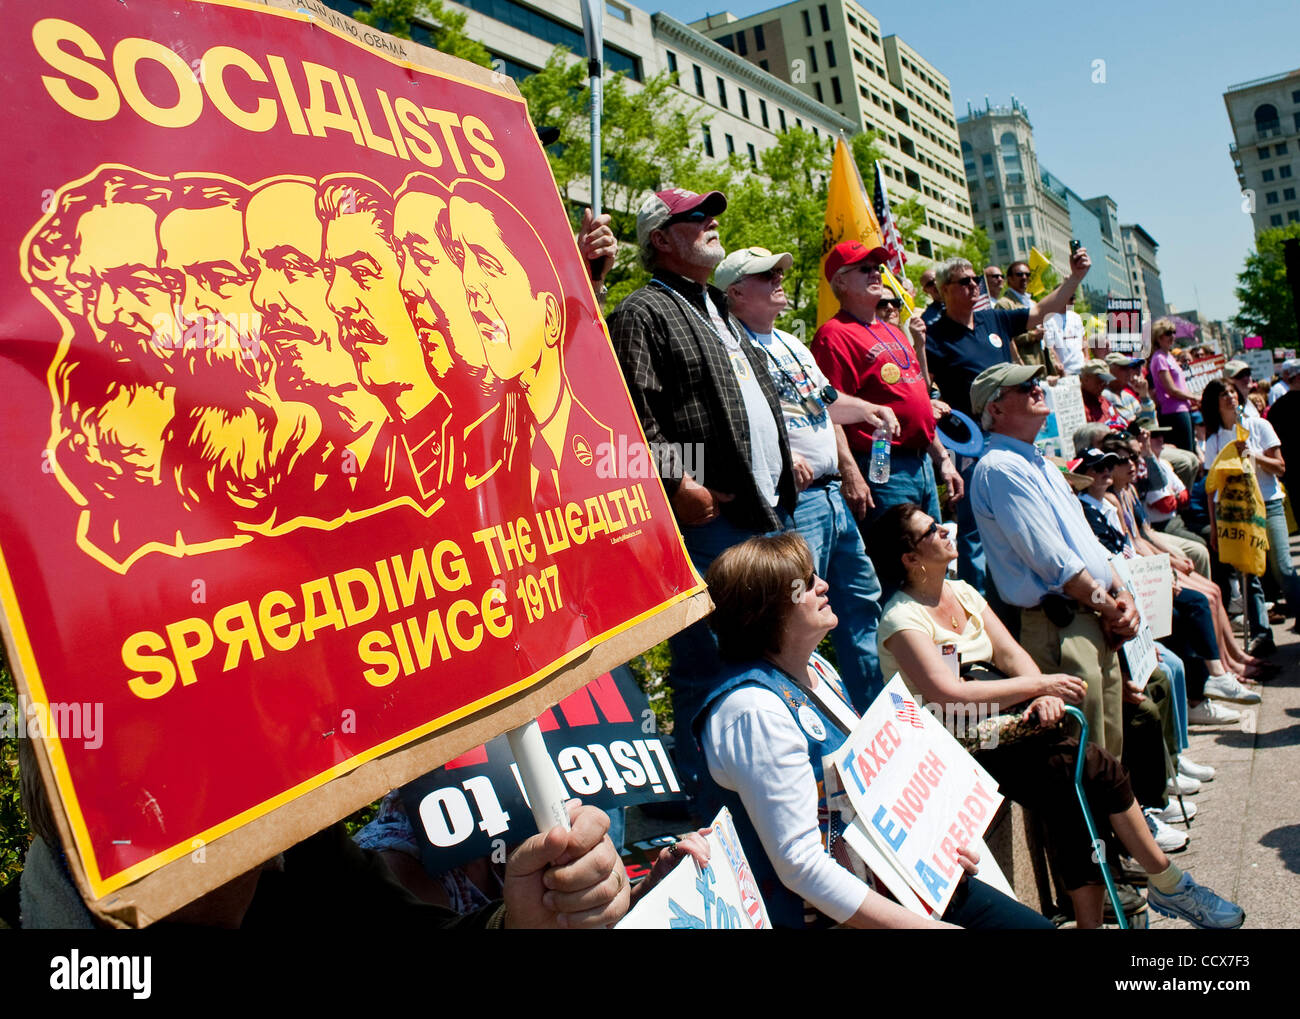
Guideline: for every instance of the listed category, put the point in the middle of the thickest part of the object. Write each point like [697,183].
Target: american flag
[905,709]
[982,302]
[892,241]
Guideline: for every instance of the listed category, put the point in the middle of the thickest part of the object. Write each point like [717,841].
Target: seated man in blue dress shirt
[1042,555]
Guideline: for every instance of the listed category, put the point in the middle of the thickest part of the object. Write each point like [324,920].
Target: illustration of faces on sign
[241,360]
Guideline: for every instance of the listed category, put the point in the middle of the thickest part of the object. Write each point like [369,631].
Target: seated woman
[776,711]
[911,553]
[1146,541]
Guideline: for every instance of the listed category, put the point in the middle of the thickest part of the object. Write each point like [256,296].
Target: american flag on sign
[982,302]
[893,242]
[905,709]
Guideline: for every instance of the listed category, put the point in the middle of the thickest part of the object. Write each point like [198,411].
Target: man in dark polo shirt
[870,359]
[961,344]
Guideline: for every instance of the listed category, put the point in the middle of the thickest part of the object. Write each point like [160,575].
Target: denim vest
[784,907]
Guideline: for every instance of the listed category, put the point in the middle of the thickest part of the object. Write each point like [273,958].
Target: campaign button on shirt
[812,725]
[957,354]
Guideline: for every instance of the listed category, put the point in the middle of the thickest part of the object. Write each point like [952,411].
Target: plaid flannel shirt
[685,391]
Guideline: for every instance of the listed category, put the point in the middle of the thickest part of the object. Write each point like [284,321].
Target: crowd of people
[821,477]
[792,495]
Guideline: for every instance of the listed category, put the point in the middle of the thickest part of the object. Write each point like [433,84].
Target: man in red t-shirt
[865,357]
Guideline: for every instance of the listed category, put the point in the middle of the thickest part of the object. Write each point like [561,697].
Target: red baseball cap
[851,253]
[660,206]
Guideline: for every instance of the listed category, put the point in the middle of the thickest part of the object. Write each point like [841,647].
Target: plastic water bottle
[878,473]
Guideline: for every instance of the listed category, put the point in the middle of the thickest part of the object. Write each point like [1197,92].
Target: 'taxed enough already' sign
[306,389]
[918,795]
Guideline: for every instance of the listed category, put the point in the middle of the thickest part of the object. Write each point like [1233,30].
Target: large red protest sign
[310,415]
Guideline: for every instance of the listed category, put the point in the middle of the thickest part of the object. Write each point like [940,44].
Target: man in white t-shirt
[1063,335]
[1288,372]
[832,491]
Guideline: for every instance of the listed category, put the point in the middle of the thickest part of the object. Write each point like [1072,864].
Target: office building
[1265,119]
[1010,196]
[836,54]
[1144,275]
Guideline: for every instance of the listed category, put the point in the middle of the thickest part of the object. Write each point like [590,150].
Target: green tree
[446,27]
[648,142]
[976,249]
[781,207]
[1267,308]
[14,833]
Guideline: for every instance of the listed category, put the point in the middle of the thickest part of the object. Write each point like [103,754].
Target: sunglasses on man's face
[966,281]
[995,275]
[695,217]
[1023,387]
[1018,275]
[891,304]
[771,276]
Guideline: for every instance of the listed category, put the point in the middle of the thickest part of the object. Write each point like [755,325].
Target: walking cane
[1099,847]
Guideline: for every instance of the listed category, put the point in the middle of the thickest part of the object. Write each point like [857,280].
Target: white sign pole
[542,782]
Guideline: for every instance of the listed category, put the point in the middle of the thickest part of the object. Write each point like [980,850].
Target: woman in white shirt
[774,716]
[1219,408]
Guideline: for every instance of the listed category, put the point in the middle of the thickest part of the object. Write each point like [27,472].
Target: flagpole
[593,29]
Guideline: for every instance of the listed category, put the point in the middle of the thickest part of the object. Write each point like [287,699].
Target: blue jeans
[911,479]
[695,649]
[1279,557]
[1173,667]
[823,518]
[970,550]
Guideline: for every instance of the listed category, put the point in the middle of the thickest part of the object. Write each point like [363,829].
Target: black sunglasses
[694,216]
[966,281]
[891,303]
[928,532]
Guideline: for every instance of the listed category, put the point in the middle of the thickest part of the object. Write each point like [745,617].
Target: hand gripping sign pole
[593,28]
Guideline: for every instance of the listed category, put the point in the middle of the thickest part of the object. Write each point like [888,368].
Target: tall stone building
[1010,195]
[836,53]
[1265,118]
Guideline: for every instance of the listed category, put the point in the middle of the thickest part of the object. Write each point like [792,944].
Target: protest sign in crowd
[330,468]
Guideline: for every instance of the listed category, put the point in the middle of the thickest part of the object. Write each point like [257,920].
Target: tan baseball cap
[749,262]
[992,381]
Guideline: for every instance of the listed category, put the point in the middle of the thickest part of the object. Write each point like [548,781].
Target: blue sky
[1154,136]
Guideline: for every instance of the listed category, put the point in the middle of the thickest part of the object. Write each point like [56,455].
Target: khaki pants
[1194,550]
[1080,649]
[1185,463]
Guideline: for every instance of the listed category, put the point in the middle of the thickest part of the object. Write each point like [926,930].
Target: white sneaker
[1225,687]
[1170,840]
[1183,785]
[1173,814]
[1210,712]
[1190,769]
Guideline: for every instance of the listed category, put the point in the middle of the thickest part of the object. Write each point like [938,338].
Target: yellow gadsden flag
[1239,519]
[1037,263]
[848,218]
